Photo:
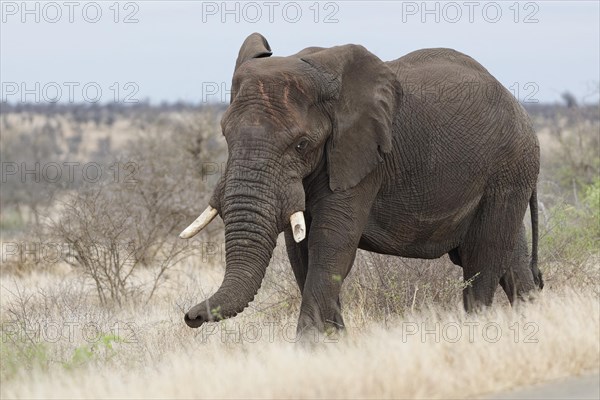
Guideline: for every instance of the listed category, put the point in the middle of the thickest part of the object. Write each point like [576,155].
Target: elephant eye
[301,145]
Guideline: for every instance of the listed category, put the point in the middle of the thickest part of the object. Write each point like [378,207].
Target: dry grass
[58,340]
[145,350]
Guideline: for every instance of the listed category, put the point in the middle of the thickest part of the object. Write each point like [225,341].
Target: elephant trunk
[251,230]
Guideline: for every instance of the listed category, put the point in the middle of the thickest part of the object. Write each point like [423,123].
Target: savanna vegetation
[94,280]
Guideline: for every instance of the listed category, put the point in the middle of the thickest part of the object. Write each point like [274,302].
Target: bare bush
[385,286]
[110,233]
[113,228]
[25,150]
[570,150]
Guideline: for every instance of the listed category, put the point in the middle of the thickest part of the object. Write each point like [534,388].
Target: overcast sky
[186,50]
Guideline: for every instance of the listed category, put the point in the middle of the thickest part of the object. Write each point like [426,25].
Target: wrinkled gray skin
[418,157]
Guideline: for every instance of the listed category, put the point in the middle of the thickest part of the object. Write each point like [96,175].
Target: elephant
[419,157]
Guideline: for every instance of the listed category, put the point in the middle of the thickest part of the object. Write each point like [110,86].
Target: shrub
[114,228]
[573,231]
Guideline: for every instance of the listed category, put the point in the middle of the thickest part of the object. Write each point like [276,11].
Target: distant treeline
[94,111]
[589,112]
[83,112]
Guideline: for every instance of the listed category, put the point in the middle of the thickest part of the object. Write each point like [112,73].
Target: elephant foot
[314,331]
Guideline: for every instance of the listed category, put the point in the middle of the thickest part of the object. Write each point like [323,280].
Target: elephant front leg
[321,311]
[298,253]
[332,244]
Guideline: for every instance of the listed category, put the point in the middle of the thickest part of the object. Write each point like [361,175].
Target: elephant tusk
[204,219]
[298,226]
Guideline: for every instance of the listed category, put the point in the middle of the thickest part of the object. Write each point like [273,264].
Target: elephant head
[320,109]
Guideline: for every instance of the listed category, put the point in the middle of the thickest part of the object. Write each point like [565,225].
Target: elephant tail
[533,206]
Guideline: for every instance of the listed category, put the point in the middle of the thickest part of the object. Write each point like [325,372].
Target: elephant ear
[361,90]
[255,46]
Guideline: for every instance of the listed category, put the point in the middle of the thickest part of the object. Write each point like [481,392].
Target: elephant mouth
[296,221]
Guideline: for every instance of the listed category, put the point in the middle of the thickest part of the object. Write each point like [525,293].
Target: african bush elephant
[418,157]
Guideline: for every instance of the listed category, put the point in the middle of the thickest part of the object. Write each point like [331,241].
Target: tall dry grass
[422,348]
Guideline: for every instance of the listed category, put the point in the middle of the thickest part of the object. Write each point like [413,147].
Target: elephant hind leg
[518,280]
[491,245]
[480,291]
